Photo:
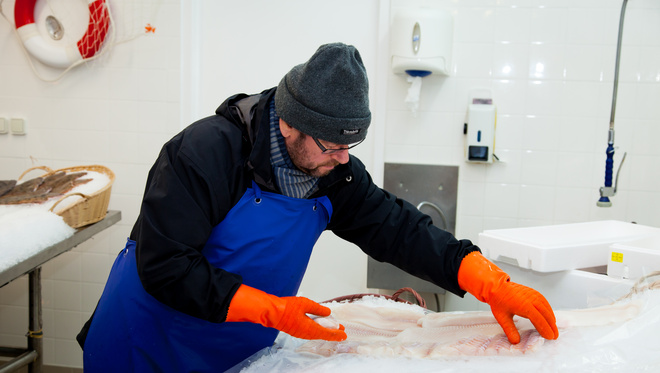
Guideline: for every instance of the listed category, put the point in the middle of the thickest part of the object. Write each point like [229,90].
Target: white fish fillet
[381,331]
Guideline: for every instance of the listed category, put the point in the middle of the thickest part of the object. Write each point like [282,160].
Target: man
[231,211]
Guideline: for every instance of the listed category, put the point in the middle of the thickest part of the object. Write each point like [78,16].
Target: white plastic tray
[560,247]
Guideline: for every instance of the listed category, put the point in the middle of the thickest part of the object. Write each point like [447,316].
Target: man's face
[307,156]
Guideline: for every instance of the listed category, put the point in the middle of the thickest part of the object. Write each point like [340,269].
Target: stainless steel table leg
[35,332]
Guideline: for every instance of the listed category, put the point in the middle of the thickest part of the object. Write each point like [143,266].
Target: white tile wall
[550,67]
[549,64]
[117,111]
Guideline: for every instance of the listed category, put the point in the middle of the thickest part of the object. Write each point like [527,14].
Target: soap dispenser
[479,130]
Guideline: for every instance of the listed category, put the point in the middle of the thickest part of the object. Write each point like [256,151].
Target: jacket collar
[250,114]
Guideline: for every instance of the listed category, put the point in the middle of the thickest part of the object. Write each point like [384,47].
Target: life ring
[57,56]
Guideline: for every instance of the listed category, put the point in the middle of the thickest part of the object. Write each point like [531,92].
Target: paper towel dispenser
[421,41]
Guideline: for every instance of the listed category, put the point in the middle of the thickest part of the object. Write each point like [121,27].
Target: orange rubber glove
[483,279]
[287,314]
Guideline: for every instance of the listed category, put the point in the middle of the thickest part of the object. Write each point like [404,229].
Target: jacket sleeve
[392,230]
[181,205]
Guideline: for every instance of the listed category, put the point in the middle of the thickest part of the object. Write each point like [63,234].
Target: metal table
[33,355]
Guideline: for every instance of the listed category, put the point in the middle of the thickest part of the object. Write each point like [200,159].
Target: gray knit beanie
[327,97]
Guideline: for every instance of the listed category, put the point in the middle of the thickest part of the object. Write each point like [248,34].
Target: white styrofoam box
[634,259]
[574,289]
[565,290]
[560,247]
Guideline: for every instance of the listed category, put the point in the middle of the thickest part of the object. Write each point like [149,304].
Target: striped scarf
[292,182]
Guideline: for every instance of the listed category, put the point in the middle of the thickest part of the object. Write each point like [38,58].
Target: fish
[22,191]
[387,332]
[6,186]
[149,29]
[41,189]
[620,336]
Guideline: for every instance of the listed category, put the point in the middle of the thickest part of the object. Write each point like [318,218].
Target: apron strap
[257,192]
[324,203]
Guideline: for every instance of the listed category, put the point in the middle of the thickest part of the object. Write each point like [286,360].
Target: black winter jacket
[202,173]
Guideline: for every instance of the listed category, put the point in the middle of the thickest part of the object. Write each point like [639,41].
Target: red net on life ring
[97,29]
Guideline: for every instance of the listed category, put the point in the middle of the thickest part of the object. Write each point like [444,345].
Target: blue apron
[266,238]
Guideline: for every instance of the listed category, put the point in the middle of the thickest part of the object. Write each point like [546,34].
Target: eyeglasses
[325,150]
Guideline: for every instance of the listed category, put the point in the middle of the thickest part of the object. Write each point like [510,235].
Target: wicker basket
[92,207]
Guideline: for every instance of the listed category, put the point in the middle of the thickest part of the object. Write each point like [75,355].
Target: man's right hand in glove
[287,314]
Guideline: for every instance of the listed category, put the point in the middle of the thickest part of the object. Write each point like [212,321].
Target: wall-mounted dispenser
[421,45]
[421,41]
[480,130]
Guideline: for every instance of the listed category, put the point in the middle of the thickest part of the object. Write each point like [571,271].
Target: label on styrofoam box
[634,259]
[617,257]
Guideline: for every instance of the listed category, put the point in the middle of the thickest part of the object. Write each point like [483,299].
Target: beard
[300,158]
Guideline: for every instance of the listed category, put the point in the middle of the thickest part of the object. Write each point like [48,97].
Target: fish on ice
[382,331]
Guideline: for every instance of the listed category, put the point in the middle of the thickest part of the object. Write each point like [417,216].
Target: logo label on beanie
[350,132]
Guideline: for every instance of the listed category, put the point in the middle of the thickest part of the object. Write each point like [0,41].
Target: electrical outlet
[4,126]
[17,126]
